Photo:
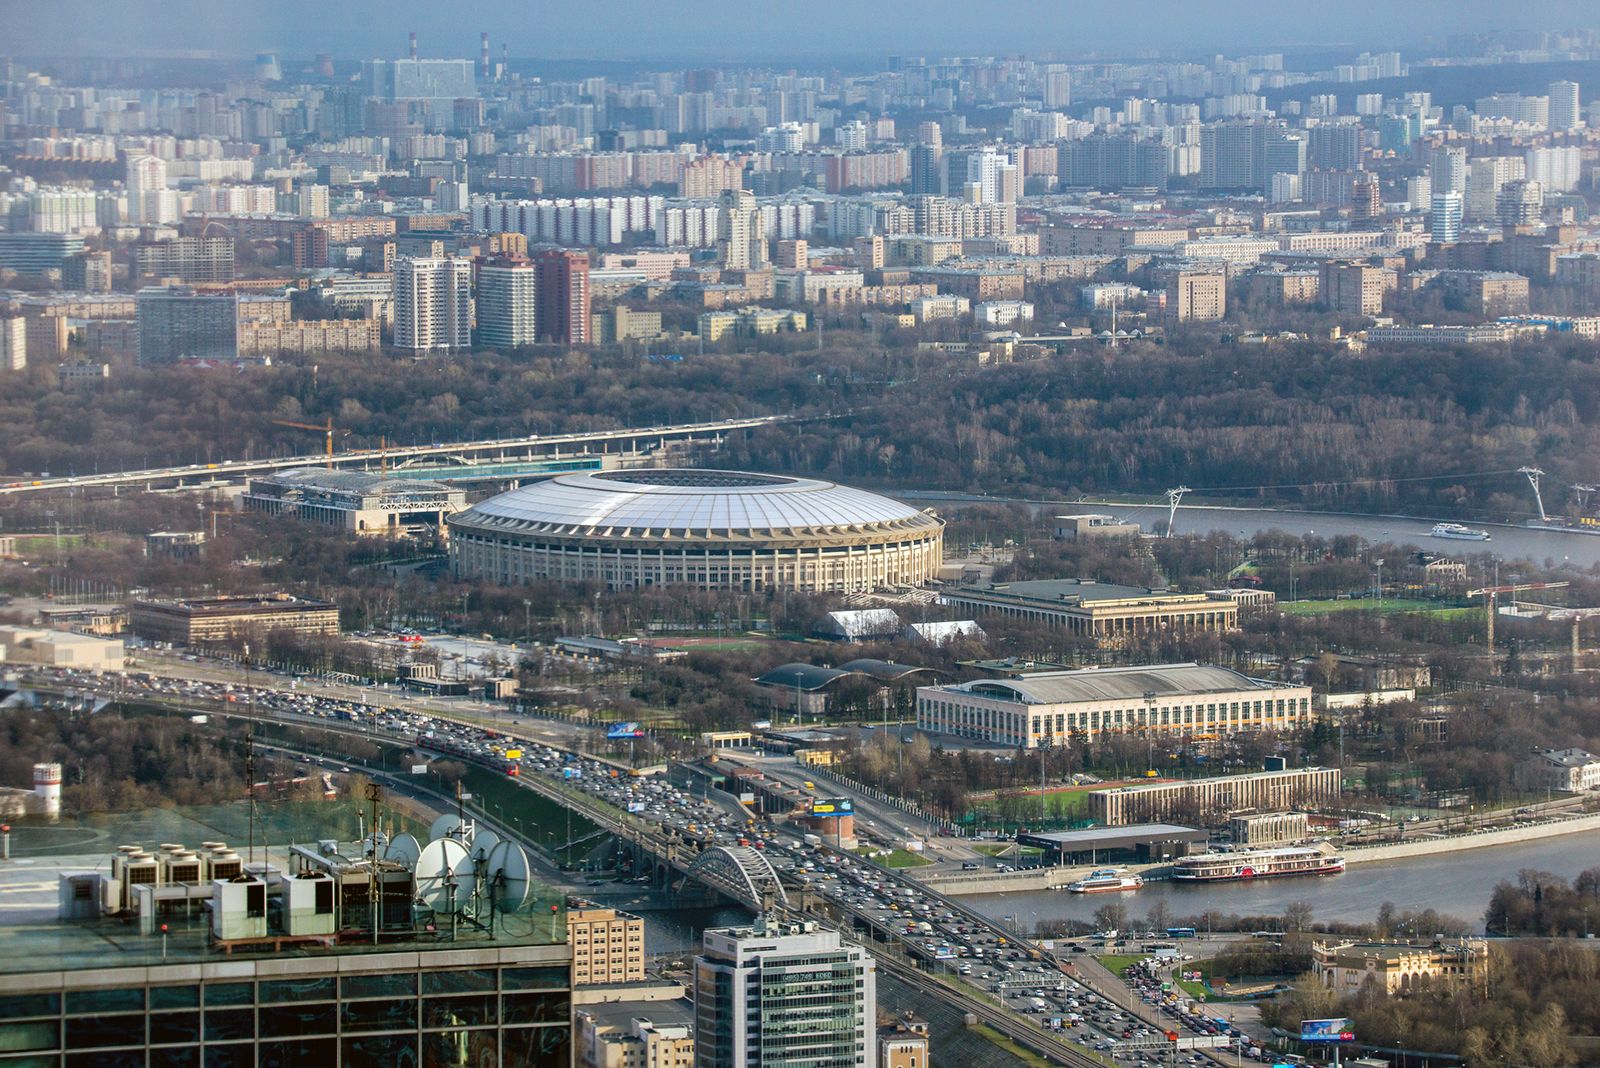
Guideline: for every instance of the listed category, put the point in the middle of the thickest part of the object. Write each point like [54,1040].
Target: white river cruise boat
[1258,864]
[1106,880]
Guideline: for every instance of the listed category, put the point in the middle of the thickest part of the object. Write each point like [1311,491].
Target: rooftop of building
[234,603]
[34,936]
[1114,837]
[364,483]
[1063,591]
[1115,684]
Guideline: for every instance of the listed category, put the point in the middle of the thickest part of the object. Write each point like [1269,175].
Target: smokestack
[413,44]
[483,55]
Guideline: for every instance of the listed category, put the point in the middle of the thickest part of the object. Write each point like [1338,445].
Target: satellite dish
[509,876]
[445,879]
[403,849]
[443,826]
[373,845]
[482,845]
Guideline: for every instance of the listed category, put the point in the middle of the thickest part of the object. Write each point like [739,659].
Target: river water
[1455,883]
[1509,542]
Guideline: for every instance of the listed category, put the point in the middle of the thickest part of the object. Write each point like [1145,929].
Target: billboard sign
[833,806]
[1340,1030]
[624,730]
[635,806]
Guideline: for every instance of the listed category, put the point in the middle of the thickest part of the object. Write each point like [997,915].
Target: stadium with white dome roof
[715,529]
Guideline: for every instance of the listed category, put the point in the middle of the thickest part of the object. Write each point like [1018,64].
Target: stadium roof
[1059,591]
[801,676]
[859,623]
[1115,684]
[678,499]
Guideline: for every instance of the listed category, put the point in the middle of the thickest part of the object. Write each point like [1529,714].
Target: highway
[466,453]
[1009,982]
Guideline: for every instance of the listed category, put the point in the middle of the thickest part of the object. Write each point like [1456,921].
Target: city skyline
[628,30]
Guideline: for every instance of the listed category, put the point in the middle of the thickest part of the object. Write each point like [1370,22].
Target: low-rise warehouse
[1144,843]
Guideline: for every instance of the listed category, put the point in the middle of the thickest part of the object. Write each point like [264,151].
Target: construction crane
[1491,601]
[1173,497]
[323,428]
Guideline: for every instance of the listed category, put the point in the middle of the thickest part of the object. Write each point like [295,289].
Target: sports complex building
[717,529]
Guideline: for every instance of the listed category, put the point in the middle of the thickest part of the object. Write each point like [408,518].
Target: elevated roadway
[487,458]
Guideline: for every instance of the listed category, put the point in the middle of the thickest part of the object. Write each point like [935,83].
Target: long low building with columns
[1056,708]
[1109,613]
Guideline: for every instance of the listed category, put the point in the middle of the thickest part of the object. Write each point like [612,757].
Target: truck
[812,840]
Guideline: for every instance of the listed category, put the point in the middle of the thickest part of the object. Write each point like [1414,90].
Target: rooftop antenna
[1173,497]
[374,890]
[1534,474]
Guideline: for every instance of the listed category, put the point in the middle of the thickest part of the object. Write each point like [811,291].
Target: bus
[1180,932]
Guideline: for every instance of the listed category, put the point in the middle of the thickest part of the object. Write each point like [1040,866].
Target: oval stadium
[715,529]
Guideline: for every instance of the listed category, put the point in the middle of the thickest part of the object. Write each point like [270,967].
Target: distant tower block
[47,788]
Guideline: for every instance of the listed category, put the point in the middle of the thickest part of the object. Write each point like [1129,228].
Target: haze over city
[834,535]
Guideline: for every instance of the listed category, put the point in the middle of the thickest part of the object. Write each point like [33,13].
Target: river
[1458,884]
[1509,542]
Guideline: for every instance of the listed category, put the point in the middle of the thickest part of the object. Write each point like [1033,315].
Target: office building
[562,290]
[437,80]
[210,956]
[1198,296]
[37,253]
[1346,968]
[508,304]
[432,304]
[358,502]
[1571,771]
[1445,218]
[189,260]
[607,946]
[741,234]
[634,1034]
[1566,113]
[181,324]
[1209,800]
[1052,709]
[778,995]
[197,621]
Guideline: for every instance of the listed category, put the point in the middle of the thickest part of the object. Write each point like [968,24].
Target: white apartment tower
[1565,111]
[149,199]
[784,996]
[1447,170]
[1446,217]
[741,234]
[432,304]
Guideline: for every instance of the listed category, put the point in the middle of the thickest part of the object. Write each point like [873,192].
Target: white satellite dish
[482,845]
[443,826]
[445,879]
[509,876]
[404,849]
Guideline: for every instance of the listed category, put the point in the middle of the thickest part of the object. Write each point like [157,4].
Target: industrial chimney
[413,44]
[483,60]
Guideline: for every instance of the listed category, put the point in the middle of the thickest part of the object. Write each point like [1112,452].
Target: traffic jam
[926,926]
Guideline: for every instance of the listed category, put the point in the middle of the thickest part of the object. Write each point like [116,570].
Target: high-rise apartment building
[180,324]
[507,304]
[1334,146]
[418,79]
[563,296]
[1557,169]
[1565,111]
[1520,203]
[432,304]
[991,178]
[741,234]
[784,996]
[1485,176]
[191,260]
[13,343]
[607,946]
[926,155]
[1445,217]
[149,199]
[1447,170]
[1112,161]
[1056,87]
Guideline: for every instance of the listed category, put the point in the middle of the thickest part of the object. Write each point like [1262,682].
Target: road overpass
[491,458]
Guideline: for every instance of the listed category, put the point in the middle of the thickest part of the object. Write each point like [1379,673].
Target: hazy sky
[756,30]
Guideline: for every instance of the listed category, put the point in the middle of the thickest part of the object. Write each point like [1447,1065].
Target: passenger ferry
[1258,864]
[1106,880]
[1458,532]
